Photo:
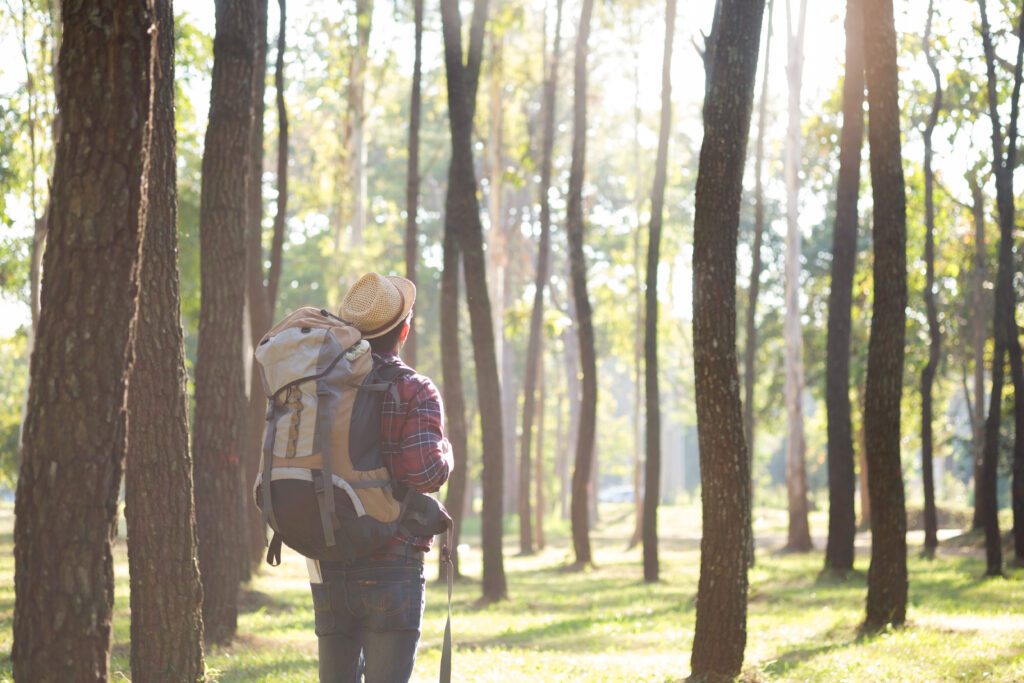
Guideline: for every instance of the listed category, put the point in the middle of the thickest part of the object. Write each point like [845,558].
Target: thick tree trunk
[412,173]
[462,212]
[219,371]
[842,522]
[534,365]
[581,475]
[74,438]
[1004,324]
[931,540]
[720,636]
[652,465]
[799,537]
[887,575]
[979,325]
[750,350]
[257,305]
[166,592]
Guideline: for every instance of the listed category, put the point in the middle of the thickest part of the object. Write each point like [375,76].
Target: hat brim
[408,292]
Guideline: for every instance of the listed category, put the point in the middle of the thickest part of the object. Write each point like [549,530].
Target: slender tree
[585,325]
[538,469]
[842,523]
[652,465]
[412,173]
[887,575]
[1004,323]
[74,439]
[979,327]
[533,348]
[355,124]
[799,536]
[720,635]
[219,371]
[462,212]
[166,593]
[750,350]
[931,540]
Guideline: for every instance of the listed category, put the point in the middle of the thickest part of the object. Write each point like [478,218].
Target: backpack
[330,497]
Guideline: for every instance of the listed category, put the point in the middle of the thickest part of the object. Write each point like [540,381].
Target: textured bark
[799,534]
[74,438]
[652,465]
[887,575]
[931,540]
[581,474]
[1004,325]
[721,633]
[979,326]
[750,350]
[862,474]
[166,592]
[219,371]
[533,347]
[842,523]
[412,173]
[462,217]
[258,307]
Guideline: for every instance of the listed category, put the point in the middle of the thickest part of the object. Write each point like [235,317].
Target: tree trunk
[462,213]
[219,370]
[539,463]
[74,438]
[166,592]
[1004,324]
[979,326]
[412,173]
[652,465]
[720,635]
[578,270]
[842,522]
[257,305]
[799,538]
[931,540]
[887,575]
[750,350]
[639,388]
[534,365]
[862,473]
[570,340]
[357,118]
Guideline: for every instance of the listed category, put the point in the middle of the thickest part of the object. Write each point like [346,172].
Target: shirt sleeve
[424,460]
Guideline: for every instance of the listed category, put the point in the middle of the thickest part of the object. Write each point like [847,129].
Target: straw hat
[376,304]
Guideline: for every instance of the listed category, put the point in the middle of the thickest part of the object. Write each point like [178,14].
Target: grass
[605,624]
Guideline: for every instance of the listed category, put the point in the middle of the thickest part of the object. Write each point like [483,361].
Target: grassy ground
[607,625]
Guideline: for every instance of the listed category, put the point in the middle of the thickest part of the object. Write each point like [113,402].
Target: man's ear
[404,334]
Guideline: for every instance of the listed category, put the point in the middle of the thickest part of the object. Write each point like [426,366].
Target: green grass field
[607,625]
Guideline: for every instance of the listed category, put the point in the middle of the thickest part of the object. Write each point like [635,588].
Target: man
[368,612]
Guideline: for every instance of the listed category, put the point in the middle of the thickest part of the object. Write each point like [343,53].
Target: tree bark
[750,350]
[357,118]
[166,592]
[931,540]
[979,326]
[533,347]
[652,464]
[412,173]
[1004,324]
[720,635]
[578,271]
[842,522]
[799,535]
[538,469]
[258,307]
[887,575]
[462,214]
[219,371]
[74,438]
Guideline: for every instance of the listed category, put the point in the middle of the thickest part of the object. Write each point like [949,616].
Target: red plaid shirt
[413,444]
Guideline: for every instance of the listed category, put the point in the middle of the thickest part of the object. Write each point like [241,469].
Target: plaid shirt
[413,445]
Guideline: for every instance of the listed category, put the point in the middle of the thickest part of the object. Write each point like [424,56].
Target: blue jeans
[368,616]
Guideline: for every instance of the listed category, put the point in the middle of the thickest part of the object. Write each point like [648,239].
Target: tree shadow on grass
[254,601]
